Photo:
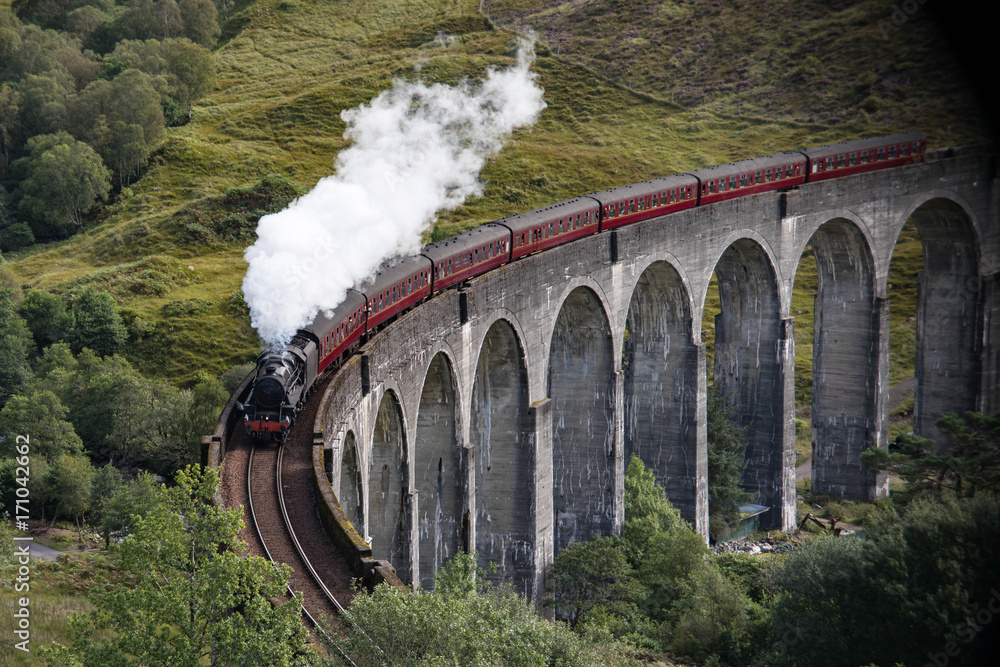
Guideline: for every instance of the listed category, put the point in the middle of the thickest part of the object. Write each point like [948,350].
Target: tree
[41,415]
[45,99]
[15,341]
[69,484]
[192,599]
[62,184]
[647,511]
[10,123]
[913,587]
[126,504]
[593,575]
[726,463]
[201,21]
[16,236]
[97,324]
[106,483]
[463,621]
[46,317]
[972,464]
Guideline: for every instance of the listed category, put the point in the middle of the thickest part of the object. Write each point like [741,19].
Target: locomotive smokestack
[417,149]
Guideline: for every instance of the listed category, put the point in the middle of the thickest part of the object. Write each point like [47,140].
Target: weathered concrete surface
[568,360]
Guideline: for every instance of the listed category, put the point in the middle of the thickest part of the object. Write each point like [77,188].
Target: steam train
[284,376]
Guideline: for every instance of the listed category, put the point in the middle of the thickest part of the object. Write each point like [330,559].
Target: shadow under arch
[581,386]
[948,368]
[663,369]
[438,468]
[752,348]
[504,478]
[847,353]
[350,487]
[387,488]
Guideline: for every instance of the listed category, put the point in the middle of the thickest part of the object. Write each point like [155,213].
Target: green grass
[287,70]
[56,591]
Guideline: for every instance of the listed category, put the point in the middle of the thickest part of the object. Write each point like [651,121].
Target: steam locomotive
[285,375]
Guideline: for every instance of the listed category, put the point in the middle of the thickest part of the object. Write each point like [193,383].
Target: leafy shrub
[17,236]
[187,307]
[233,217]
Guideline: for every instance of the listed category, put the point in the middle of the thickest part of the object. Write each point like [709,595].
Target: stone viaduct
[499,417]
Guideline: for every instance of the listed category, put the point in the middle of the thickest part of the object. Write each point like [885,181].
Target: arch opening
[661,365]
[752,348]
[504,527]
[349,494]
[947,370]
[847,349]
[581,386]
[439,471]
[387,495]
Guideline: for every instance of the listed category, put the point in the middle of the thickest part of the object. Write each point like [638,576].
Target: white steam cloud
[416,150]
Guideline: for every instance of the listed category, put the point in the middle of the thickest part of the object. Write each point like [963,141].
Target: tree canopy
[192,598]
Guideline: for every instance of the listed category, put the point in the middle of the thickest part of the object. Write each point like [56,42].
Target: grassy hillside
[287,68]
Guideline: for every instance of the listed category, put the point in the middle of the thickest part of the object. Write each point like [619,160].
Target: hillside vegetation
[287,68]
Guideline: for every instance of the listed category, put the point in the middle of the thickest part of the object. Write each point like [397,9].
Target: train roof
[746,166]
[863,144]
[393,271]
[645,188]
[529,219]
[324,323]
[469,240]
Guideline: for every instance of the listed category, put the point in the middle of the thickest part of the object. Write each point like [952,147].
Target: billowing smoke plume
[416,150]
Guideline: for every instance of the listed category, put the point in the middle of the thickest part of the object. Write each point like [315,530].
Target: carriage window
[904,150]
[560,226]
[743,180]
[449,266]
[853,159]
[732,182]
[892,152]
[756,178]
[881,153]
[829,163]
[631,206]
[711,187]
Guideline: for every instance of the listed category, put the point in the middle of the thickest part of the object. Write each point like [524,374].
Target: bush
[17,236]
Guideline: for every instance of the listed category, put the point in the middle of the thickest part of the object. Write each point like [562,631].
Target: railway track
[274,484]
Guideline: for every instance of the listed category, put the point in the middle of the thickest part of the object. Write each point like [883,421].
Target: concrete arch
[438,470]
[388,493]
[581,387]
[754,362]
[948,368]
[350,489]
[503,473]
[847,350]
[955,201]
[603,298]
[664,385]
[754,237]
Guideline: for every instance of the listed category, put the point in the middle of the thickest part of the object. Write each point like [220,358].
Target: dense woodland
[141,141]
